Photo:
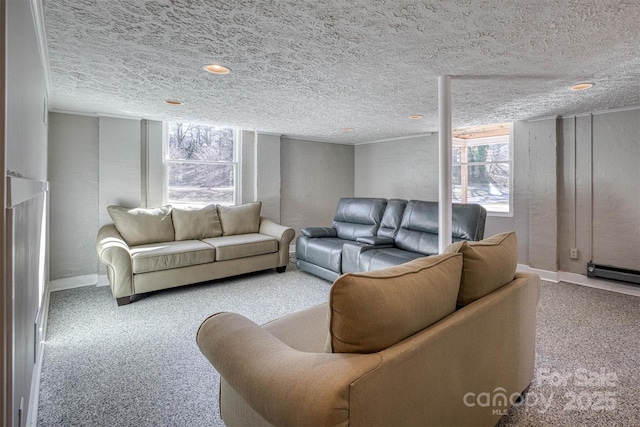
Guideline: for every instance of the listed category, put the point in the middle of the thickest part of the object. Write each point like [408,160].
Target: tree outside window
[481,172]
[201,164]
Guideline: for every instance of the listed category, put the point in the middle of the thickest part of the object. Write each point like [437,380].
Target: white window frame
[457,142]
[237,170]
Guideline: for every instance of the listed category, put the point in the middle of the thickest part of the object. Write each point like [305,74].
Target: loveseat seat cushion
[372,311]
[242,245]
[139,226]
[168,255]
[324,252]
[488,265]
[195,223]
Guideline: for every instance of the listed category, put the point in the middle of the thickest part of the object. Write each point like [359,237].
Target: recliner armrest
[319,232]
[376,241]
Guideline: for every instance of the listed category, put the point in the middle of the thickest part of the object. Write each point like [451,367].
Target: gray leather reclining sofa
[374,233]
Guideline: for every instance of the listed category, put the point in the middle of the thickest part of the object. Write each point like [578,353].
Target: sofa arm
[114,252]
[284,235]
[283,385]
[319,232]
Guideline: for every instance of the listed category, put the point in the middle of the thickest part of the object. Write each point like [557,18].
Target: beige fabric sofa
[441,340]
[151,249]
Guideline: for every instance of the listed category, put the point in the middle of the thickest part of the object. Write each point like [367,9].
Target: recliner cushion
[372,311]
[392,218]
[488,265]
[376,259]
[324,252]
[358,217]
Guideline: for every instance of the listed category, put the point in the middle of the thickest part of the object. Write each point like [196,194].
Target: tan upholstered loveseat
[150,249]
[441,340]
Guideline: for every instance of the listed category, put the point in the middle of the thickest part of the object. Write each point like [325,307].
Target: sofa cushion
[488,265]
[240,219]
[196,223]
[169,255]
[139,226]
[372,311]
[242,245]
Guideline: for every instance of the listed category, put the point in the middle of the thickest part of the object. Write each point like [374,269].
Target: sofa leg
[281,269]
[123,300]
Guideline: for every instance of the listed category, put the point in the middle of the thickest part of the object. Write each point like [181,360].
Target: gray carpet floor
[138,365]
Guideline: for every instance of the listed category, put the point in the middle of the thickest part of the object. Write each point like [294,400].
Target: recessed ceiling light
[347,129]
[217,69]
[415,117]
[173,102]
[581,86]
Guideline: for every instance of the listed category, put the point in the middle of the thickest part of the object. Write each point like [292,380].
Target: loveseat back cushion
[392,218]
[240,219]
[140,226]
[488,265]
[358,217]
[196,223]
[372,311]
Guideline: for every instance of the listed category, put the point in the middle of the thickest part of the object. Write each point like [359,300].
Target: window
[482,167]
[201,164]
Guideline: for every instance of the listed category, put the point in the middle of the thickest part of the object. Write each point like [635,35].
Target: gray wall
[314,176]
[401,169]
[267,175]
[73,175]
[599,195]
[96,162]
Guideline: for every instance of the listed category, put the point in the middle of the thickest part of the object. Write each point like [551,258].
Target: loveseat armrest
[283,385]
[351,251]
[114,252]
[378,241]
[284,235]
[319,232]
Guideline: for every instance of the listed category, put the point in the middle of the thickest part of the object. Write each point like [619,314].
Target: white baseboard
[549,276]
[103,280]
[73,282]
[579,279]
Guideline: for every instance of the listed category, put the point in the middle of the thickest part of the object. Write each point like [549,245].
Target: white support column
[444,139]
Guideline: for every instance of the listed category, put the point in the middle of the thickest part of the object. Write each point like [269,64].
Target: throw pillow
[195,223]
[140,226]
[371,311]
[487,265]
[240,219]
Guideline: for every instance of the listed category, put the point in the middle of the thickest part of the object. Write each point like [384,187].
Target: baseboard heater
[613,273]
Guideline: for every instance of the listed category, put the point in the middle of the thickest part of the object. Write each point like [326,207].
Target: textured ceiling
[308,69]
